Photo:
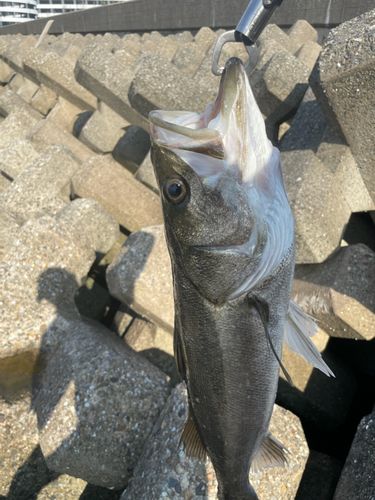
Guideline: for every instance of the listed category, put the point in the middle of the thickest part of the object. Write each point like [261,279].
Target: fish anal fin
[193,445]
[272,453]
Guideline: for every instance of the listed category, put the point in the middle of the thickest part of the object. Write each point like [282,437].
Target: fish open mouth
[231,130]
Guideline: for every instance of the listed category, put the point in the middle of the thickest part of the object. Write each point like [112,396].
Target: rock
[310,160]
[16,157]
[357,478]
[163,470]
[151,88]
[103,74]
[140,276]
[13,103]
[302,32]
[90,221]
[308,54]
[44,100]
[132,148]
[103,130]
[338,292]
[342,82]
[145,174]
[96,406]
[279,86]
[57,74]
[320,478]
[46,133]
[133,205]
[43,268]
[188,58]
[15,126]
[64,114]
[205,38]
[34,192]
[92,300]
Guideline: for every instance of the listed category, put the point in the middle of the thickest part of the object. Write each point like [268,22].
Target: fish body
[230,235]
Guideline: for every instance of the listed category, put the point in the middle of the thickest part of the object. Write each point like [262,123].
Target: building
[17,11]
[47,8]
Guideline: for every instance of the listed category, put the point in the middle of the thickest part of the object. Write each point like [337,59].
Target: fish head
[215,171]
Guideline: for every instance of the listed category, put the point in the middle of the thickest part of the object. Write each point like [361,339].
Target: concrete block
[302,32]
[33,193]
[27,90]
[155,344]
[319,209]
[279,86]
[132,148]
[205,38]
[132,204]
[134,37]
[72,54]
[16,126]
[16,157]
[277,34]
[204,76]
[357,479]
[5,72]
[47,133]
[64,114]
[342,81]
[321,402]
[15,82]
[338,292]
[321,475]
[151,88]
[188,58]
[95,412]
[182,37]
[15,52]
[92,300]
[140,276]
[4,183]
[44,100]
[168,48]
[164,471]
[8,231]
[308,54]
[58,75]
[103,74]
[90,221]
[127,51]
[40,273]
[103,130]
[13,103]
[145,174]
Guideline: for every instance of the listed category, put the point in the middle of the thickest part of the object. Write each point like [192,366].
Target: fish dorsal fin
[299,327]
[262,307]
[270,454]
[193,445]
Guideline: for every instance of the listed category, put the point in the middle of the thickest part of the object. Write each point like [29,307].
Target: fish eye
[175,190]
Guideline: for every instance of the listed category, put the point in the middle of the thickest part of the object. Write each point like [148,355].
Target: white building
[17,11]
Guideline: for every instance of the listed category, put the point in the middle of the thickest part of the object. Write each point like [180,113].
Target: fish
[230,236]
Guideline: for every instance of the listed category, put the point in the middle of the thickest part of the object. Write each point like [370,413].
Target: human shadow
[58,287]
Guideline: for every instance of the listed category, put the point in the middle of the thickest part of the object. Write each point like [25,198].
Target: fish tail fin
[272,453]
[299,327]
[191,440]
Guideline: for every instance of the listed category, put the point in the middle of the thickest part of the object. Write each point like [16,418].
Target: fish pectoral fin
[263,310]
[193,445]
[272,453]
[299,327]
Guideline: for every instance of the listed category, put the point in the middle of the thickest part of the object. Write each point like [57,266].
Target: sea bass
[230,235]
